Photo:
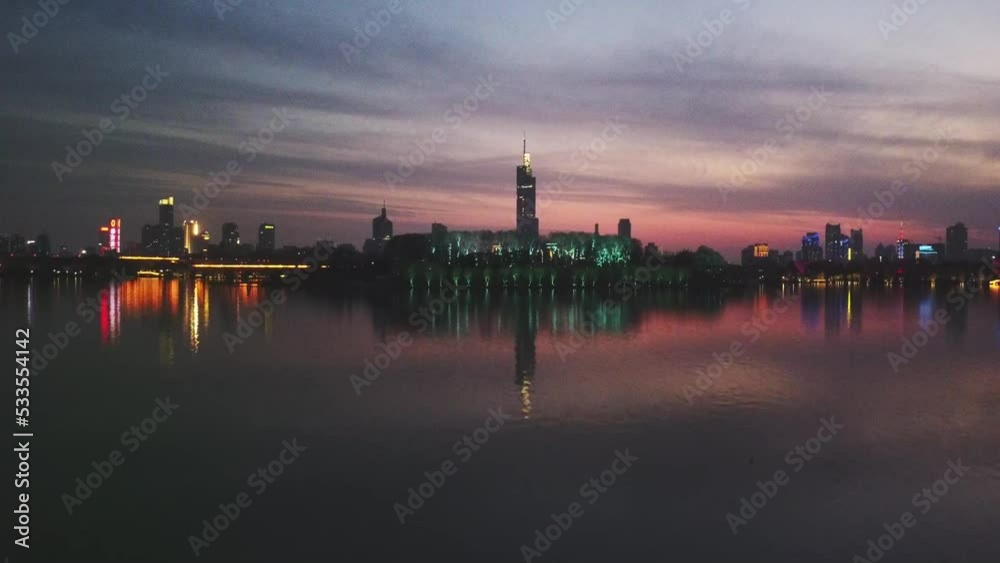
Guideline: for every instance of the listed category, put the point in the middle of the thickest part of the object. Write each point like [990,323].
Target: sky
[639,109]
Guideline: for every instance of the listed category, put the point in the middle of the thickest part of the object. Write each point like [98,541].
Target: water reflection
[189,314]
[525,333]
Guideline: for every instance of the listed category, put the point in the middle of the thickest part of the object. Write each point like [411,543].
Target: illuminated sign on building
[115,235]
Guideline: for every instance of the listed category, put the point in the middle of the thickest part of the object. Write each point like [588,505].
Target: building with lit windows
[193,240]
[109,237]
[265,238]
[167,211]
[381,233]
[230,236]
[812,248]
[837,244]
[526,220]
[856,250]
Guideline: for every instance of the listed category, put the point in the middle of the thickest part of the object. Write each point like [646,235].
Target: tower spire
[525,149]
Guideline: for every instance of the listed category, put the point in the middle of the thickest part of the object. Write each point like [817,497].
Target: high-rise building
[43,247]
[956,242]
[167,211]
[382,227]
[18,246]
[265,238]
[857,245]
[109,237]
[625,229]
[103,239]
[4,244]
[527,221]
[835,250]
[230,236]
[812,249]
[192,237]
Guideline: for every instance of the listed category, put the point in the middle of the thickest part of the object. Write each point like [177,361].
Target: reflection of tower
[525,331]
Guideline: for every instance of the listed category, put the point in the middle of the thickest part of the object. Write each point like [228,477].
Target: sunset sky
[892,94]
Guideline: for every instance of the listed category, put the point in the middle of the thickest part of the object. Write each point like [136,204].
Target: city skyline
[190,236]
[688,117]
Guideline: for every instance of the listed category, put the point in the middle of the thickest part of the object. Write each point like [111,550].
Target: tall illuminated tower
[527,222]
[167,211]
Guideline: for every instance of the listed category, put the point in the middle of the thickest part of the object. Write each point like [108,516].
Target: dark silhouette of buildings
[625,229]
[230,236]
[857,245]
[381,233]
[956,242]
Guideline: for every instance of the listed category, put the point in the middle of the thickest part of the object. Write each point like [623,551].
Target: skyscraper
[956,242]
[836,243]
[812,249]
[527,222]
[857,244]
[167,211]
[265,238]
[230,236]
[382,227]
[625,229]
[192,236]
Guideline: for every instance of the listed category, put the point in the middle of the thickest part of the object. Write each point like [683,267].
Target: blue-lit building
[812,248]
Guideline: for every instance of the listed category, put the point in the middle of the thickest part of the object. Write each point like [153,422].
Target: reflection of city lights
[526,398]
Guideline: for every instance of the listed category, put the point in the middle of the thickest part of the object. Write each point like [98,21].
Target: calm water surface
[579,385]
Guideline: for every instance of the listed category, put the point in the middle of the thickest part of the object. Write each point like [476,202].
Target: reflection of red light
[105,317]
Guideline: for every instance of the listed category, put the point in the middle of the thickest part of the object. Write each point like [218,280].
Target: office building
[167,211]
[836,244]
[527,221]
[856,250]
[625,229]
[956,242]
[812,248]
[382,227]
[230,236]
[265,238]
